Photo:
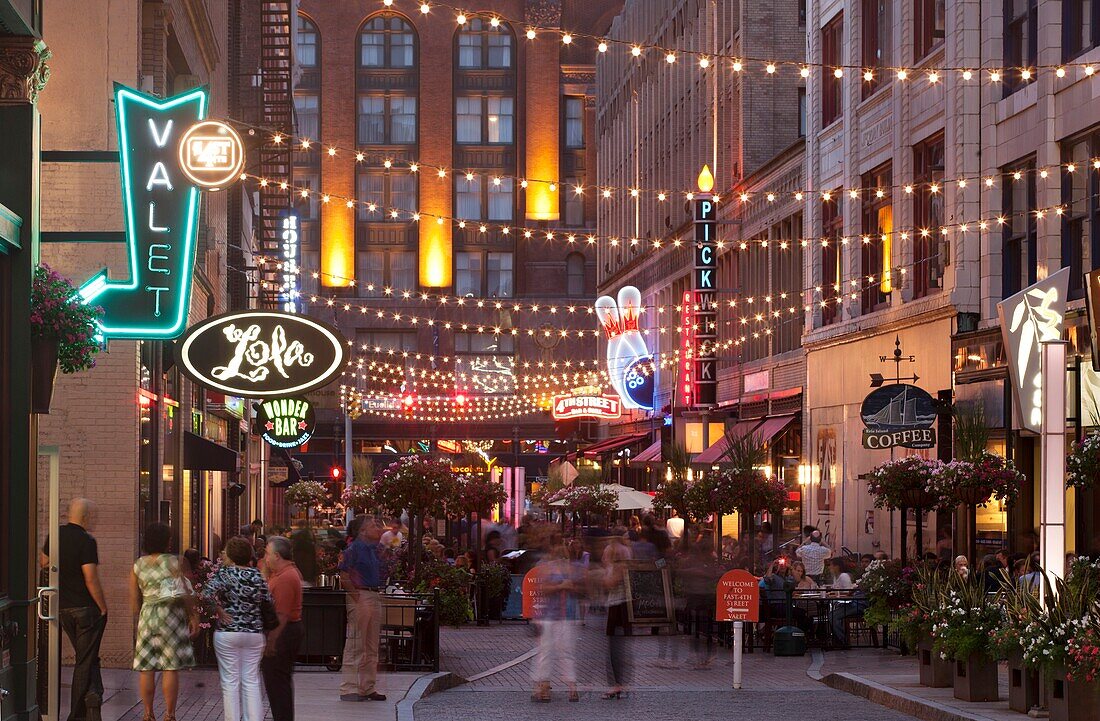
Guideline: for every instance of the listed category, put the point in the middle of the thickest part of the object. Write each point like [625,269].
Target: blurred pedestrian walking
[164,609]
[556,615]
[283,642]
[615,556]
[238,590]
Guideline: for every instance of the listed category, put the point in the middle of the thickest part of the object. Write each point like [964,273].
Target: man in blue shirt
[361,575]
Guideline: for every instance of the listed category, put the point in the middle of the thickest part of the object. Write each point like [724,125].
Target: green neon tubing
[114,294]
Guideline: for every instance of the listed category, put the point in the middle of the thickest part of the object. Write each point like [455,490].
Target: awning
[773,426]
[200,454]
[717,451]
[612,445]
[649,455]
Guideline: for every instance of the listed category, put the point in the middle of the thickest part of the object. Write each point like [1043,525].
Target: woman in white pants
[556,616]
[238,590]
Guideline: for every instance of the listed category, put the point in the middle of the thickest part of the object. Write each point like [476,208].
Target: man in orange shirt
[283,643]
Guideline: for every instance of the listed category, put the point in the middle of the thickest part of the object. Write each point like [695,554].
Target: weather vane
[897,359]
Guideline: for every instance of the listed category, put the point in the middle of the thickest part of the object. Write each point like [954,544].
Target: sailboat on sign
[900,412]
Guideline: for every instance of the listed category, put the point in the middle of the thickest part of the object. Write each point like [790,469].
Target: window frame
[926,248]
[832,56]
[832,227]
[1088,215]
[389,272]
[876,44]
[382,214]
[482,102]
[387,118]
[485,188]
[571,275]
[387,34]
[567,120]
[1072,11]
[304,21]
[482,33]
[483,257]
[873,252]
[927,38]
[1010,262]
[1016,57]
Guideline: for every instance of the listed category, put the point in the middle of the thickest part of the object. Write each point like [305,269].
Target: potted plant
[1078,696]
[308,496]
[975,482]
[916,627]
[903,483]
[1066,642]
[1083,463]
[495,583]
[1019,606]
[889,589]
[63,333]
[962,628]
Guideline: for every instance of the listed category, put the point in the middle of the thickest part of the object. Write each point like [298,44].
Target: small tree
[743,484]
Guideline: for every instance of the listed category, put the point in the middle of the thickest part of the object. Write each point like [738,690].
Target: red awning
[715,453]
[773,426]
[611,445]
[649,455]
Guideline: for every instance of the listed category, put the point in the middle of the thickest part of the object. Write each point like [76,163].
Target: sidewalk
[892,681]
[316,696]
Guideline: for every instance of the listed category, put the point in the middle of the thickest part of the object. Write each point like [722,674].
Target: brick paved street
[774,688]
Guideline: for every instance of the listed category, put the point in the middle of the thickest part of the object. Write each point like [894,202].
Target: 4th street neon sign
[160,196]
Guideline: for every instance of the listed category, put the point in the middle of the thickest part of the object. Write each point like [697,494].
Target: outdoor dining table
[820,604]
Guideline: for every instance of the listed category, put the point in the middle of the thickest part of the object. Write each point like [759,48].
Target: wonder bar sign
[167,153]
[586,406]
[286,422]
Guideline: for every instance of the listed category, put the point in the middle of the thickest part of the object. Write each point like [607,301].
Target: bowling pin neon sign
[629,362]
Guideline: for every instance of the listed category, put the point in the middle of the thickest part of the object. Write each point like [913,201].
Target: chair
[398,629]
[855,628]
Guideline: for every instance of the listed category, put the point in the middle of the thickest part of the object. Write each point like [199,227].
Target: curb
[424,686]
[897,700]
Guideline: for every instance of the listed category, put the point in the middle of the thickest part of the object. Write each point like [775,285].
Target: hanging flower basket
[916,498]
[975,483]
[903,483]
[63,334]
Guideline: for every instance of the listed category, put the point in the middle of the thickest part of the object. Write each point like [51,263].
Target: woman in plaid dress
[161,599]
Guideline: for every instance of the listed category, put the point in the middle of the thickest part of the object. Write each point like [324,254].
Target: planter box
[976,679]
[1023,685]
[1073,700]
[934,671]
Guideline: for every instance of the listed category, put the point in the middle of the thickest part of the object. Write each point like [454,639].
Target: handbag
[268,617]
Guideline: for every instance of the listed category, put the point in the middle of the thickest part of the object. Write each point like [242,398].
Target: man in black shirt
[82,605]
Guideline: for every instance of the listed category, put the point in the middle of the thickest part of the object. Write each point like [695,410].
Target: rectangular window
[468,274]
[928,246]
[803,118]
[306,108]
[1021,43]
[1080,26]
[832,100]
[876,42]
[372,190]
[372,50]
[877,240]
[1019,254]
[787,275]
[1080,231]
[372,120]
[500,50]
[307,44]
[468,198]
[501,119]
[309,284]
[403,269]
[401,47]
[370,271]
[403,193]
[574,122]
[306,207]
[498,275]
[832,226]
[469,50]
[929,24]
[573,202]
[754,266]
[468,120]
[402,120]
[500,199]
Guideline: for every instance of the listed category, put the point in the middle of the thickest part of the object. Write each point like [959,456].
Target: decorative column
[542,112]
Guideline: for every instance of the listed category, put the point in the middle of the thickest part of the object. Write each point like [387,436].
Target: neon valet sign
[160,195]
[1028,319]
[629,362]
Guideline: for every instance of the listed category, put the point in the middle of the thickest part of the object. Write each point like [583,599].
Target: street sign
[262,354]
[532,593]
[738,597]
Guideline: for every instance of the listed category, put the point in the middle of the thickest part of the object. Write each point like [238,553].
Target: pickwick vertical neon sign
[161,205]
[705,286]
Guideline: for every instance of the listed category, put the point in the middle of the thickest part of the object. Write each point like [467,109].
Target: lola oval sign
[262,354]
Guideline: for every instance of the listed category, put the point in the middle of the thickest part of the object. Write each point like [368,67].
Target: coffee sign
[286,422]
[262,354]
[898,414]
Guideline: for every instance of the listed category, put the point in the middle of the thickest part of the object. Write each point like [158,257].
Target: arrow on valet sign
[167,153]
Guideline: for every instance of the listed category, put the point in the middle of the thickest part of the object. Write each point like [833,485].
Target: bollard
[738,642]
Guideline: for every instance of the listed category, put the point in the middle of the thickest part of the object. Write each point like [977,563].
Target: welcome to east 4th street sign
[167,152]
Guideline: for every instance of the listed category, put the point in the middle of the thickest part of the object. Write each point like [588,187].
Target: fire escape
[277,108]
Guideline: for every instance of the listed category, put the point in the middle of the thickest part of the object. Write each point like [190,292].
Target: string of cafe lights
[609,192]
[571,236]
[740,64]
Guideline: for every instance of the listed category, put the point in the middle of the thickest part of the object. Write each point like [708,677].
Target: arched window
[308,43]
[574,274]
[483,45]
[387,41]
